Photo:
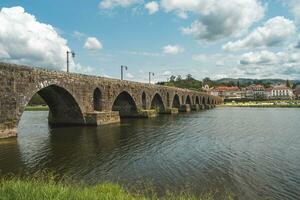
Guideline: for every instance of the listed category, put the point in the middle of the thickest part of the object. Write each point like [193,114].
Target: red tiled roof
[225,88]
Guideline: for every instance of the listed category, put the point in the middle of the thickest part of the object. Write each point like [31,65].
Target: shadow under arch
[97,100]
[125,104]
[203,101]
[63,108]
[197,100]
[144,101]
[208,101]
[157,103]
[188,100]
[176,101]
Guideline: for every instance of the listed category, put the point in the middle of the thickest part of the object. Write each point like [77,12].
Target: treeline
[191,83]
[36,100]
[188,82]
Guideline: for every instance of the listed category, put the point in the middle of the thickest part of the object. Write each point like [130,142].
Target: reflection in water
[252,152]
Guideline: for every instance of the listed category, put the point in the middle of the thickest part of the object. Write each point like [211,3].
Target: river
[252,152]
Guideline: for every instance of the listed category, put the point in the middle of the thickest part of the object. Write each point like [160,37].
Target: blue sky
[163,36]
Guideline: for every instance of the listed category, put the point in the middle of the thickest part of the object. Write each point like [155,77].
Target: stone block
[185,108]
[102,118]
[147,113]
[196,107]
[171,111]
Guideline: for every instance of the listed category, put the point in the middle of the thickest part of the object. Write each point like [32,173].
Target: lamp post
[122,70]
[73,56]
[150,74]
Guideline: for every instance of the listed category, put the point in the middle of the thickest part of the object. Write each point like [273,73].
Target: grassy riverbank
[36,108]
[41,189]
[265,104]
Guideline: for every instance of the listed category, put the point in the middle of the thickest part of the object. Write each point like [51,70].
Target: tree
[288,84]
[172,78]
[178,78]
[189,77]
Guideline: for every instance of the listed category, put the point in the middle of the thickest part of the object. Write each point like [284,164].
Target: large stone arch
[63,107]
[188,100]
[203,102]
[176,101]
[208,101]
[158,103]
[125,105]
[197,101]
[144,100]
[97,99]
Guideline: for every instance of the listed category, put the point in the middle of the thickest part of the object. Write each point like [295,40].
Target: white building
[281,92]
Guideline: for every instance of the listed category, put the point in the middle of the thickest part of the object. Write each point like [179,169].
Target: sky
[205,38]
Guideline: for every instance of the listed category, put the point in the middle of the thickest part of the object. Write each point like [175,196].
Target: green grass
[49,189]
[36,108]
[265,104]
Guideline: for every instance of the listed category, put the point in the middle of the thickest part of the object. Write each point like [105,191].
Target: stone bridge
[76,99]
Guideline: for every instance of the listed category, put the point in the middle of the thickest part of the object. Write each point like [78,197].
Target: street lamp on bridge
[122,70]
[150,74]
[73,56]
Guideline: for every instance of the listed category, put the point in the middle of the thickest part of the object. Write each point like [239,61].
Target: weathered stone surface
[171,111]
[74,98]
[147,113]
[185,108]
[102,118]
[196,107]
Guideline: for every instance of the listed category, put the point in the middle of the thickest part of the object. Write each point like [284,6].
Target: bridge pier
[185,108]
[196,107]
[147,113]
[171,111]
[6,133]
[102,118]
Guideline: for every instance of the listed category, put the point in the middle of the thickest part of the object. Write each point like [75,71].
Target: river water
[253,153]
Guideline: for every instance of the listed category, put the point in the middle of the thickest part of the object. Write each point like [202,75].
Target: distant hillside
[191,83]
[247,81]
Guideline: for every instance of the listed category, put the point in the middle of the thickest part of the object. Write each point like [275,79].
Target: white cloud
[24,40]
[109,4]
[261,58]
[92,43]
[275,31]
[129,75]
[167,73]
[173,49]
[294,7]
[78,35]
[152,7]
[217,19]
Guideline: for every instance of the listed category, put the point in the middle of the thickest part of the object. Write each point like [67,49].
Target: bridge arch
[97,99]
[144,101]
[176,101]
[125,104]
[188,100]
[208,101]
[203,101]
[157,103]
[63,107]
[168,99]
[197,100]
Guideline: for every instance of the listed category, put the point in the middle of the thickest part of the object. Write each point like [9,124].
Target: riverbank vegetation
[265,104]
[37,108]
[50,189]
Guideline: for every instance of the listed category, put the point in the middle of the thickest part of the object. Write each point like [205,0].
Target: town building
[228,93]
[297,92]
[281,92]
